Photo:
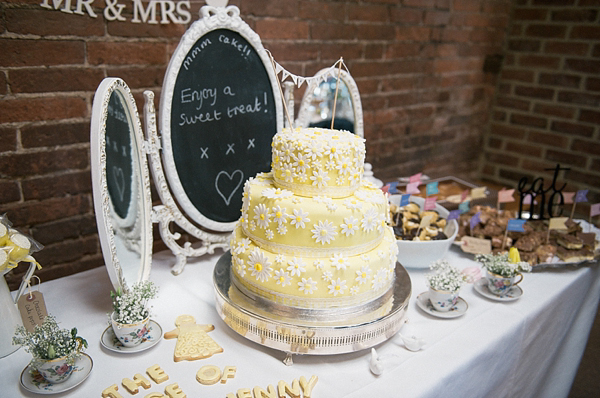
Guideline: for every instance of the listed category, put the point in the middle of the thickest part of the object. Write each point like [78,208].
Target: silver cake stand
[301,335]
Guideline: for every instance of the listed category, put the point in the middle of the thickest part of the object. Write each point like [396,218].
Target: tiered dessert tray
[296,333]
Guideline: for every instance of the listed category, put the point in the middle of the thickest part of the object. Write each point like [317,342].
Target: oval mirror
[120,184]
[316,108]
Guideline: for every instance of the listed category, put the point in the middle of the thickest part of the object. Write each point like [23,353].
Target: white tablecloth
[529,347]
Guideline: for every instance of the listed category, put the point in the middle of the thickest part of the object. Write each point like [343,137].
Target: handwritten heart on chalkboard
[119,181]
[227,184]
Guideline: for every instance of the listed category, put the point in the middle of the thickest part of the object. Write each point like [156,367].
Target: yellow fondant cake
[314,243]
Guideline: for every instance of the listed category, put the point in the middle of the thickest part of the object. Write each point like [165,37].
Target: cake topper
[537,189]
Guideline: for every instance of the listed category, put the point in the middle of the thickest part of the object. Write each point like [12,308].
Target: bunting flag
[453,215]
[506,196]
[464,195]
[404,200]
[477,193]
[475,220]
[528,198]
[430,203]
[595,210]
[516,225]
[568,197]
[581,196]
[413,187]
[464,207]
[557,223]
[432,188]
[415,177]
[332,71]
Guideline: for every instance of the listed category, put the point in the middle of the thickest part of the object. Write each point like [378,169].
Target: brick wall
[426,69]
[547,105]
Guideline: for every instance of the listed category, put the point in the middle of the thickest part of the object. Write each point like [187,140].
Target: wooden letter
[138,381]
[173,391]
[244,393]
[259,392]
[228,373]
[111,392]
[283,388]
[208,375]
[157,374]
[308,386]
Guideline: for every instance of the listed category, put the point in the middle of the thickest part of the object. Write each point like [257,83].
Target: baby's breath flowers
[502,264]
[48,341]
[445,277]
[132,306]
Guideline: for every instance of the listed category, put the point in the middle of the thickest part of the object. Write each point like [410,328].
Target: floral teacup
[132,334]
[55,370]
[500,285]
[441,300]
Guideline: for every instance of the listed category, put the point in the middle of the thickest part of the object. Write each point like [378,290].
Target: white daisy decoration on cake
[252,226]
[287,172]
[281,229]
[300,162]
[354,290]
[269,234]
[379,279]
[381,254]
[355,176]
[283,278]
[337,286]
[262,216]
[381,223]
[339,261]
[314,149]
[239,266]
[365,258]
[332,207]
[353,204]
[276,193]
[308,286]
[296,267]
[330,165]
[343,167]
[331,151]
[320,199]
[363,275]
[369,220]
[318,264]
[279,215]
[350,226]
[319,179]
[286,151]
[299,218]
[279,259]
[301,176]
[324,232]
[241,246]
[327,275]
[296,200]
[259,265]
[245,221]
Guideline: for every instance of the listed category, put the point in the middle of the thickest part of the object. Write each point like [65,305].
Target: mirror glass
[121,185]
[320,107]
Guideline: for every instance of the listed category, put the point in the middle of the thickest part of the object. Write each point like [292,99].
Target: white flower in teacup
[505,264]
[445,277]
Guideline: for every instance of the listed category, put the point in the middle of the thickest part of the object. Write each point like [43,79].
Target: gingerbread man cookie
[192,340]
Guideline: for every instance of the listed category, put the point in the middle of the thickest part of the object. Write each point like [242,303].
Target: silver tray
[305,336]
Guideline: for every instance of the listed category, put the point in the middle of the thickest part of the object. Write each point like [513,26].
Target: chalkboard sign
[220,109]
[119,162]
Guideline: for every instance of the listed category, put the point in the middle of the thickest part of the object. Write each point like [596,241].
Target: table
[529,347]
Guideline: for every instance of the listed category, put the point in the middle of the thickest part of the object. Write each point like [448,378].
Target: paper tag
[478,193]
[558,223]
[33,309]
[472,245]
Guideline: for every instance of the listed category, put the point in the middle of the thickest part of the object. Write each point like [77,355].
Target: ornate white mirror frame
[126,239]
[305,111]
[176,206]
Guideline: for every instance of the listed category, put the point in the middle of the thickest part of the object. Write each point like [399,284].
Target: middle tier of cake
[277,220]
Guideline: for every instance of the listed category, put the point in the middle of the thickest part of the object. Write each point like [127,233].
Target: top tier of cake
[316,161]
